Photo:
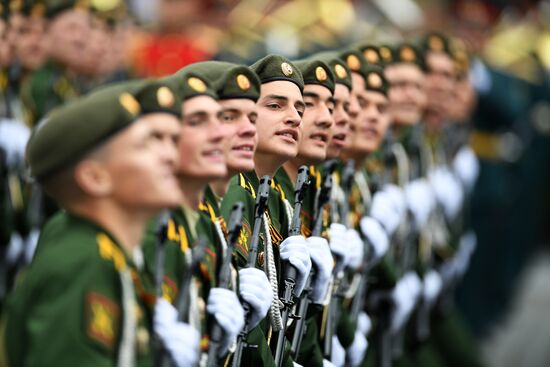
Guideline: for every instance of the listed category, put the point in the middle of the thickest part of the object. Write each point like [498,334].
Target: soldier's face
[31,45]
[280,110]
[341,117]
[94,60]
[464,101]
[316,124]
[142,162]
[440,81]
[5,50]
[239,115]
[406,94]
[201,146]
[372,121]
[68,33]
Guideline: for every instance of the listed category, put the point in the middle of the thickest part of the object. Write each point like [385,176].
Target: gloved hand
[420,200]
[357,350]
[323,262]
[294,250]
[224,305]
[356,249]
[181,340]
[466,167]
[383,210]
[405,296]
[432,287]
[338,357]
[397,198]
[467,246]
[13,139]
[448,191]
[364,323]
[338,245]
[255,289]
[375,233]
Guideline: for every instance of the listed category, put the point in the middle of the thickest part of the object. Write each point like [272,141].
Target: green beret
[436,42]
[275,67]
[340,70]
[371,54]
[355,61]
[315,71]
[407,52]
[189,84]
[375,81]
[56,7]
[70,131]
[230,81]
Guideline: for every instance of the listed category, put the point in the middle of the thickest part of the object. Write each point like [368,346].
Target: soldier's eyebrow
[312,95]
[231,110]
[277,97]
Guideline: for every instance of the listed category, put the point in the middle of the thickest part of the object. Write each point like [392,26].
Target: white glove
[448,191]
[383,211]
[405,296]
[255,289]
[13,139]
[327,363]
[338,244]
[338,357]
[420,200]
[294,250]
[466,248]
[373,230]
[397,198]
[357,350]
[356,249]
[323,262]
[432,287]
[364,323]
[181,340]
[224,305]
[466,167]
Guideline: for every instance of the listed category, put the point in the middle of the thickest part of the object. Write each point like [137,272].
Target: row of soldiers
[304,212]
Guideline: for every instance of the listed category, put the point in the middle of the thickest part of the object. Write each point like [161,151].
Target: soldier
[55,82]
[202,161]
[280,108]
[114,173]
[316,131]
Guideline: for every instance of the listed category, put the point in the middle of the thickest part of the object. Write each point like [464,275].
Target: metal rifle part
[262,198]
[302,184]
[234,230]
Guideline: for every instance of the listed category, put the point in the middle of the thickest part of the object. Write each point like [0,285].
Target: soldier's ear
[92,178]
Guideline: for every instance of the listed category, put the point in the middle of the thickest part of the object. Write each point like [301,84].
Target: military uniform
[95,300]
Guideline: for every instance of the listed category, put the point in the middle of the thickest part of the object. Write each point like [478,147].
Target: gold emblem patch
[165,97]
[340,71]
[243,82]
[102,316]
[407,54]
[371,56]
[129,103]
[435,43]
[320,73]
[353,62]
[385,52]
[196,84]
[286,69]
[105,5]
[375,81]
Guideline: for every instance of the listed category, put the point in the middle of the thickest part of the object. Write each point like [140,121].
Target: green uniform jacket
[68,309]
[243,188]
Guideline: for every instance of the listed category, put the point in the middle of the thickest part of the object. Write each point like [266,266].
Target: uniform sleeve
[61,320]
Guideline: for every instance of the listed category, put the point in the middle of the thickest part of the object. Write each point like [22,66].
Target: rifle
[259,210]
[235,226]
[302,183]
[184,298]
